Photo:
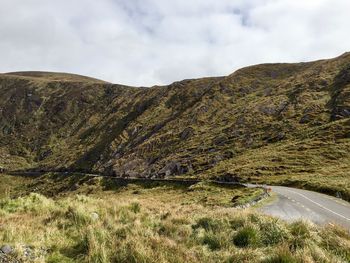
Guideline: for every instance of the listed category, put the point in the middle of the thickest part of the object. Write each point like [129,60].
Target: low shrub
[247,236]
[300,234]
[213,241]
[273,233]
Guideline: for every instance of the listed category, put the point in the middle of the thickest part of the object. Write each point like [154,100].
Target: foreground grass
[158,223]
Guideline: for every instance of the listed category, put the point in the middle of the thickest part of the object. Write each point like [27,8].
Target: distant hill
[263,120]
[53,76]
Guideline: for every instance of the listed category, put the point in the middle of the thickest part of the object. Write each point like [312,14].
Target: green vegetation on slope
[12,186]
[270,122]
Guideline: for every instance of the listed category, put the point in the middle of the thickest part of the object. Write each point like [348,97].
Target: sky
[156,42]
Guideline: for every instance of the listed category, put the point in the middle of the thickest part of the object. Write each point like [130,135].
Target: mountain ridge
[196,127]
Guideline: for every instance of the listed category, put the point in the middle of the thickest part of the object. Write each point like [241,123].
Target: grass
[158,223]
[247,236]
[279,124]
[13,185]
[205,193]
[321,166]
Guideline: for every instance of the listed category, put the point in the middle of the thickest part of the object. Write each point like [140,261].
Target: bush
[246,236]
[212,241]
[272,233]
[301,234]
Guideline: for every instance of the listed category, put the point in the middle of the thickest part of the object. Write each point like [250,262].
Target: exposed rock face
[52,121]
[186,133]
[172,168]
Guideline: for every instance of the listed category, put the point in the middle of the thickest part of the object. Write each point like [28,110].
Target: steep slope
[264,120]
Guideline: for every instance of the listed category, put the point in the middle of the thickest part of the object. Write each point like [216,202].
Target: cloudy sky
[147,42]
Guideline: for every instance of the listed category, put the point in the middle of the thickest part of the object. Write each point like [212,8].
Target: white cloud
[147,42]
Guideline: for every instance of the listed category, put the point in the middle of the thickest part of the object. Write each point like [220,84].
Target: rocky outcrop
[80,124]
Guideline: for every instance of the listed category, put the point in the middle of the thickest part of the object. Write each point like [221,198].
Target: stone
[345,113]
[170,168]
[268,110]
[186,133]
[94,216]
[340,114]
[305,119]
[220,141]
[6,249]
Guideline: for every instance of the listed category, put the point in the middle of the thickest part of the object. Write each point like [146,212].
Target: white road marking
[346,218]
[339,201]
[332,198]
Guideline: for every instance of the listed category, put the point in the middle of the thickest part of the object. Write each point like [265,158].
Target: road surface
[293,204]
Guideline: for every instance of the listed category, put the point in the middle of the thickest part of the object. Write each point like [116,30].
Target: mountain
[264,120]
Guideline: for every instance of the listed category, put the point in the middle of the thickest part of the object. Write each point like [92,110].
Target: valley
[92,171]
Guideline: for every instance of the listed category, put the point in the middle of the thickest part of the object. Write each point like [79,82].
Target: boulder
[173,168]
[186,133]
[305,119]
[268,110]
[6,249]
[340,113]
[345,113]
[94,216]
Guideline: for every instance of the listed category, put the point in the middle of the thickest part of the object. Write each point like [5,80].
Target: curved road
[293,204]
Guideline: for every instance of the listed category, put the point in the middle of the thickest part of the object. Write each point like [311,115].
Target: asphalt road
[293,204]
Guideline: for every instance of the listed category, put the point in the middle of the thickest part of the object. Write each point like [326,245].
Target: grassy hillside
[270,122]
[104,222]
